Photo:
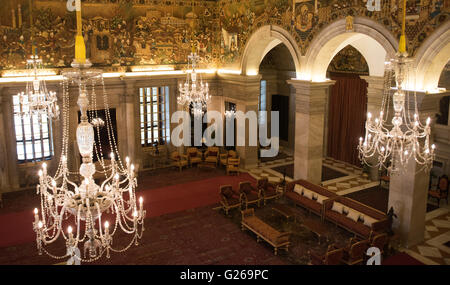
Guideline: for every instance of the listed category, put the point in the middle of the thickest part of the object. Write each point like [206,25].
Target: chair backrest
[213,151]
[443,183]
[175,155]
[192,151]
[234,161]
[226,191]
[357,250]
[232,154]
[379,241]
[334,257]
[245,186]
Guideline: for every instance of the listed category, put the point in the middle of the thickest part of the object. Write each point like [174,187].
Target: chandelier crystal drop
[392,144]
[92,209]
[37,100]
[194,91]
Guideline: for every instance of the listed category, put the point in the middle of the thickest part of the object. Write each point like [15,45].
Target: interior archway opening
[347,105]
[276,67]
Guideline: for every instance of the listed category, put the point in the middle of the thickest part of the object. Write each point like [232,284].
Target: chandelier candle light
[76,201]
[393,145]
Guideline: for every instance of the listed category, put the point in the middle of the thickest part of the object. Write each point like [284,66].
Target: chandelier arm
[125,227]
[54,256]
[125,248]
[99,220]
[57,222]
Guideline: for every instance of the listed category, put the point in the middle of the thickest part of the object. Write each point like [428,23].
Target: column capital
[130,86]
[241,88]
[427,103]
[375,92]
[374,81]
[300,85]
[240,79]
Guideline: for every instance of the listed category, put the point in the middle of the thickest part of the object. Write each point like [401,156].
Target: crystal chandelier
[392,145]
[192,91]
[94,203]
[231,113]
[37,100]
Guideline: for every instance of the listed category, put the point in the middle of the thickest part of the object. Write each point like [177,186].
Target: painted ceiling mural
[124,33]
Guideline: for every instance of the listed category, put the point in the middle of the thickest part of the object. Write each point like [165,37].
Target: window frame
[154,124]
[23,138]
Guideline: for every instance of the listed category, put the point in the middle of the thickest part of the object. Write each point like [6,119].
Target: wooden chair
[333,256]
[441,192]
[212,155]
[233,165]
[379,241]
[225,156]
[229,198]
[194,155]
[249,195]
[178,160]
[268,190]
[355,252]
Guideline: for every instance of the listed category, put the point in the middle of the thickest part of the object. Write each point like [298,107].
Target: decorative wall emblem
[349,23]
[304,18]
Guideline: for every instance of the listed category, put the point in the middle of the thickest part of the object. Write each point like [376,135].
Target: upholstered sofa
[355,217]
[313,205]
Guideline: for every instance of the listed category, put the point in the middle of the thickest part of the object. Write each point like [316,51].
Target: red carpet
[401,259]
[16,228]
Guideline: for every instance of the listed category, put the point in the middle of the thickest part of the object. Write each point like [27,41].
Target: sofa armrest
[381,225]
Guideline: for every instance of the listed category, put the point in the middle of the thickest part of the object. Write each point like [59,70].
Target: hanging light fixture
[37,100]
[231,112]
[392,145]
[91,211]
[194,91]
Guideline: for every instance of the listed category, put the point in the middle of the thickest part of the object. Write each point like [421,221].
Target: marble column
[375,91]
[408,190]
[131,93]
[244,91]
[310,102]
[7,133]
[4,181]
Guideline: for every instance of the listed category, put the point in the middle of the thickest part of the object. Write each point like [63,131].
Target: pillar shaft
[130,114]
[244,91]
[310,103]
[408,190]
[375,92]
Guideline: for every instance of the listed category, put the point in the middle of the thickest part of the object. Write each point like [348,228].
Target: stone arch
[261,42]
[371,39]
[431,58]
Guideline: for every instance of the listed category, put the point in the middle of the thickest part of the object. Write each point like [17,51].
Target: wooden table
[317,227]
[284,210]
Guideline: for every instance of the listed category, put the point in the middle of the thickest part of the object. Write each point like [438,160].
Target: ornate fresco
[349,60]
[122,33]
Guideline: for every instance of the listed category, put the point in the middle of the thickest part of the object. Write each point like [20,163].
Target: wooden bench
[262,230]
